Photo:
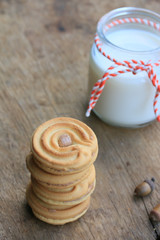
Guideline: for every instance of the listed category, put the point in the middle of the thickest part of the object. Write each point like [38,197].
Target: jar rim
[121,13]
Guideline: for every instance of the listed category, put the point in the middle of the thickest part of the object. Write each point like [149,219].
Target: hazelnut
[155,214]
[145,188]
[64,140]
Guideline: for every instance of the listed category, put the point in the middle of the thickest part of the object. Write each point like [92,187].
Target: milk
[127,100]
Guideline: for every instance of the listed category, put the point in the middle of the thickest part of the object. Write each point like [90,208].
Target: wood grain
[44,49]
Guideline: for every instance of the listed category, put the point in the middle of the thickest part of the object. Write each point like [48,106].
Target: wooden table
[44,50]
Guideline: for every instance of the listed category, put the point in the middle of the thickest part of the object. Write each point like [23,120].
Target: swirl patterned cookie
[64,146]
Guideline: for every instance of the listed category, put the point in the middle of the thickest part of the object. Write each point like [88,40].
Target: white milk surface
[127,100]
[135,39]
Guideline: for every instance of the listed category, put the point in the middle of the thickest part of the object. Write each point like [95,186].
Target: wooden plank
[43,74]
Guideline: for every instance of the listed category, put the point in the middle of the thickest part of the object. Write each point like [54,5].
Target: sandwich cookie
[64,146]
[51,181]
[55,216]
[74,195]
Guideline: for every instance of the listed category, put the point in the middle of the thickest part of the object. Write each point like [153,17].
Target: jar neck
[110,29]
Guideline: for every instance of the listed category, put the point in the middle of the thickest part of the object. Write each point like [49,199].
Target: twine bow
[132,66]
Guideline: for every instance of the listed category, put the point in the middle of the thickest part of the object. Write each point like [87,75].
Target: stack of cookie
[62,172]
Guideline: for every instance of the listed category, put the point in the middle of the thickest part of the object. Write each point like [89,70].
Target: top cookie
[64,145]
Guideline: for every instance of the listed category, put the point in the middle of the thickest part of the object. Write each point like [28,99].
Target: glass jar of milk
[127,99]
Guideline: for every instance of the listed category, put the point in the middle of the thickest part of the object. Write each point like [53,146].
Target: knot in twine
[133,66]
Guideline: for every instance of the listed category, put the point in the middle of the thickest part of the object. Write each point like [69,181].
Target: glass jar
[127,99]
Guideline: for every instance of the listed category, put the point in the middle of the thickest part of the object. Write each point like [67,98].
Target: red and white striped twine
[133,66]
